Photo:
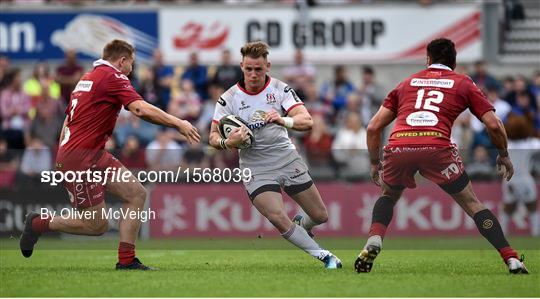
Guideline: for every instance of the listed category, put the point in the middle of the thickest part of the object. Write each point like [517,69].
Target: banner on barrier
[330,34]
[225,211]
[46,35]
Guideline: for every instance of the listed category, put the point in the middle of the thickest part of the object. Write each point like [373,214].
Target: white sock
[299,237]
[307,223]
[505,221]
[534,222]
[374,240]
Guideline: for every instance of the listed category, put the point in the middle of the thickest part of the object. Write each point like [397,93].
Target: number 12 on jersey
[435,97]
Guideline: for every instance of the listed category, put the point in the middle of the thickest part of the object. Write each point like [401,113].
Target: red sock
[40,225]
[508,252]
[377,229]
[126,253]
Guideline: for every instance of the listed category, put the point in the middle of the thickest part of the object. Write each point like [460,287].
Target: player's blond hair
[117,49]
[255,50]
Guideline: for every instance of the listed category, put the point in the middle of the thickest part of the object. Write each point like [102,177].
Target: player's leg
[381,216]
[133,195]
[487,225]
[299,185]
[268,201]
[36,225]
[309,199]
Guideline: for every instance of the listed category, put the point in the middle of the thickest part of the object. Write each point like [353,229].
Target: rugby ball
[228,123]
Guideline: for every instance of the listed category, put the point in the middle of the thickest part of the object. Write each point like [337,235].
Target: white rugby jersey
[272,148]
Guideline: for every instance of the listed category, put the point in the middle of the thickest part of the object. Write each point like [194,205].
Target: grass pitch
[267,267]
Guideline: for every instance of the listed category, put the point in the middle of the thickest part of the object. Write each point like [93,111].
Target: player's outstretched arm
[376,125]
[497,134]
[237,136]
[298,119]
[153,114]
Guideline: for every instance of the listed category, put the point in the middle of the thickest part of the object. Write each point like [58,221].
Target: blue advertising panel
[46,35]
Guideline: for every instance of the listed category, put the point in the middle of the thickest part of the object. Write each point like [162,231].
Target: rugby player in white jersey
[269,107]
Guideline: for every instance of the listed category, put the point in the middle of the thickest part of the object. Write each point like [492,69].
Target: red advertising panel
[224,210]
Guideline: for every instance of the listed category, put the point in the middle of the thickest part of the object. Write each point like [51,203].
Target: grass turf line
[249,273]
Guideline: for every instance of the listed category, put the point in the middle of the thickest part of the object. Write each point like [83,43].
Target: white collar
[104,62]
[439,66]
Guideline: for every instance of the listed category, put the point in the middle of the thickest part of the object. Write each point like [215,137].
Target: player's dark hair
[443,51]
[117,49]
[255,50]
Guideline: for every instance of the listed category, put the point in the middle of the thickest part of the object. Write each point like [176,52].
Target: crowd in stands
[32,113]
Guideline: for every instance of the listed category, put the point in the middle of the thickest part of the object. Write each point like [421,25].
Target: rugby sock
[307,223]
[534,223]
[489,227]
[299,237]
[126,253]
[40,225]
[383,211]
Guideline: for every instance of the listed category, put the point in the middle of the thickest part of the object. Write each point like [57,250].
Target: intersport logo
[201,36]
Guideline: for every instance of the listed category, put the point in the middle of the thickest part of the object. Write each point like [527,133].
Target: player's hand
[375,174]
[273,117]
[505,169]
[189,131]
[237,136]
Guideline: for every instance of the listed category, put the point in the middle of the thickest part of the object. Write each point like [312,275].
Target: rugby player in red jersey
[425,106]
[90,119]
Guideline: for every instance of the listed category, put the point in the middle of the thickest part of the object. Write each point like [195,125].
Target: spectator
[4,69]
[318,143]
[68,74]
[207,111]
[163,77]
[372,93]
[300,74]
[523,112]
[508,86]
[195,157]
[314,106]
[502,108]
[482,78]
[187,105]
[227,73]
[127,125]
[335,92]
[349,148]
[36,158]
[521,86]
[132,155]
[14,107]
[198,75]
[480,168]
[42,85]
[148,87]
[8,159]
[163,153]
[47,123]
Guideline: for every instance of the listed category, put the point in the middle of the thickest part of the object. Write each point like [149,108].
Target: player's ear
[268,65]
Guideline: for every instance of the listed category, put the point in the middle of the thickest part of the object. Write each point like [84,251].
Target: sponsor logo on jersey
[441,83]
[257,120]
[243,106]
[222,102]
[270,98]
[422,119]
[84,85]
[418,134]
[121,76]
